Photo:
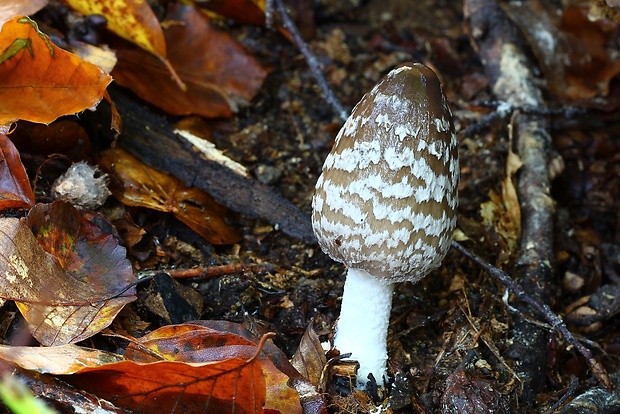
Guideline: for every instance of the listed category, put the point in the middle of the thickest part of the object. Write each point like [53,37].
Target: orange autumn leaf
[220,75]
[231,385]
[143,186]
[40,82]
[230,381]
[132,20]
[15,189]
[198,343]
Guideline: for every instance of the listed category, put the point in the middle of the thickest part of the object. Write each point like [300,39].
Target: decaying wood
[512,80]
[151,138]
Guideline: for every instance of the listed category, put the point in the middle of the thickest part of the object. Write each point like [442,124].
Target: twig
[568,394]
[312,61]
[554,320]
[223,270]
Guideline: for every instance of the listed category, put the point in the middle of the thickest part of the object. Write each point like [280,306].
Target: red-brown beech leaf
[69,279]
[233,384]
[40,82]
[196,343]
[15,189]
[220,75]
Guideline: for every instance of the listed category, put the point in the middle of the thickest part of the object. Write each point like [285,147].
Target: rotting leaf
[40,82]
[15,189]
[71,283]
[220,75]
[144,186]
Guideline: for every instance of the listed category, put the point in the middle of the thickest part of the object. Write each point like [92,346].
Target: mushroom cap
[386,199]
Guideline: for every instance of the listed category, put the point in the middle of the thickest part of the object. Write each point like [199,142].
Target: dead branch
[155,143]
[508,68]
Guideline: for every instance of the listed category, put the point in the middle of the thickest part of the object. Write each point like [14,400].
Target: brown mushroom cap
[386,199]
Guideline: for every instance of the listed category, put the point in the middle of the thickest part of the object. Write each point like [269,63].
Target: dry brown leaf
[197,343]
[220,75]
[73,286]
[310,359]
[57,360]
[144,186]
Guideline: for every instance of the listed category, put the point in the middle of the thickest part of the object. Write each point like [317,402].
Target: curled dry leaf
[15,189]
[40,82]
[220,75]
[143,186]
[69,279]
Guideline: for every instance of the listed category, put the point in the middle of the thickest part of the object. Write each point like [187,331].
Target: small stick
[554,320]
[215,271]
[312,61]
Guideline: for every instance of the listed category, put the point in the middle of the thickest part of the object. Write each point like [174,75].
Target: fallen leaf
[57,360]
[143,186]
[197,343]
[230,383]
[63,136]
[310,359]
[572,49]
[241,11]
[220,75]
[133,20]
[11,8]
[68,279]
[40,82]
[15,189]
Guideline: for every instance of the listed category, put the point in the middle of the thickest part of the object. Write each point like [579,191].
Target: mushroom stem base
[363,324]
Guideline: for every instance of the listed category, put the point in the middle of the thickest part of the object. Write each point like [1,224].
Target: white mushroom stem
[363,324]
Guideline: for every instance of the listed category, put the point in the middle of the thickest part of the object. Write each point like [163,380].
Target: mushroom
[385,204]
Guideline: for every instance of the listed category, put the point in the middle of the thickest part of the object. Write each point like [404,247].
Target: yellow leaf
[133,20]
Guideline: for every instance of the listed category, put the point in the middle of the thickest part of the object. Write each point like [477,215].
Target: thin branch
[554,320]
[312,61]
